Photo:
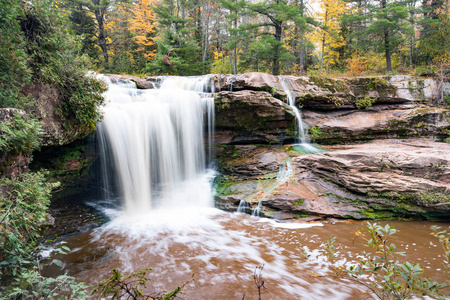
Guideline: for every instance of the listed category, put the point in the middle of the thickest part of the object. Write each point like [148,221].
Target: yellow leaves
[143,25]
[328,35]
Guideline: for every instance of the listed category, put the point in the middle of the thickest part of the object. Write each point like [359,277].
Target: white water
[152,144]
[303,136]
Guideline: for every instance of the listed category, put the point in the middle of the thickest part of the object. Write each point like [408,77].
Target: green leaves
[20,134]
[391,279]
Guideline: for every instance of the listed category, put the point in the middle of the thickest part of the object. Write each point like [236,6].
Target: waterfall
[152,143]
[303,136]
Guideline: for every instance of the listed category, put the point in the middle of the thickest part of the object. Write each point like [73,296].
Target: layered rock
[380,121]
[342,111]
[246,117]
[383,179]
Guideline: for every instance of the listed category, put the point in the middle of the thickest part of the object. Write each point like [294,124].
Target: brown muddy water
[222,250]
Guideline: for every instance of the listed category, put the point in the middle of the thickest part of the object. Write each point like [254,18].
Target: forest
[193,37]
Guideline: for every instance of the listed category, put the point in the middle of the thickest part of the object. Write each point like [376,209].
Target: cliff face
[63,149]
[375,175]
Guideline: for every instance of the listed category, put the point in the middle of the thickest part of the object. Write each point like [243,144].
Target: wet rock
[141,83]
[249,160]
[382,179]
[381,121]
[71,165]
[253,117]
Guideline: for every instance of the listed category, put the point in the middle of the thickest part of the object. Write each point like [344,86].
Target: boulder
[246,117]
[255,81]
[403,167]
[47,106]
[141,83]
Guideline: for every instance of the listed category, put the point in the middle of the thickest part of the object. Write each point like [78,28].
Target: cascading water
[303,137]
[152,141]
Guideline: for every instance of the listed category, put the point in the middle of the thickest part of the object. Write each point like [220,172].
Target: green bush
[14,70]
[22,212]
[315,133]
[37,47]
[54,57]
[365,102]
[22,215]
[20,134]
[424,71]
[447,100]
[390,278]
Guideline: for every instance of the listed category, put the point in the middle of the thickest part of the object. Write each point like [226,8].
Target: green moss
[300,202]
[222,186]
[334,86]
[432,197]
[303,215]
[362,86]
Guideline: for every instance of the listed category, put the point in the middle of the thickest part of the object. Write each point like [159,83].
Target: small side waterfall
[152,143]
[303,136]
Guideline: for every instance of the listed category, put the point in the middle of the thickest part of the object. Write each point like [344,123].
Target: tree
[387,27]
[328,34]
[266,28]
[99,8]
[178,48]
[83,25]
[143,26]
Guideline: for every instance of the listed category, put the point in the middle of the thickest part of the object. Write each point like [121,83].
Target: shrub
[20,134]
[424,71]
[365,102]
[315,133]
[390,279]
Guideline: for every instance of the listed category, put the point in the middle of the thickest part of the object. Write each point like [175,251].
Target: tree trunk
[99,16]
[276,55]
[387,52]
[302,52]
[323,52]
[235,51]
[386,43]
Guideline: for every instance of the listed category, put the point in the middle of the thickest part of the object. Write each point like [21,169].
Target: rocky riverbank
[387,161]
[381,179]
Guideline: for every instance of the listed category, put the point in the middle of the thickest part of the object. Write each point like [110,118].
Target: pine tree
[388,26]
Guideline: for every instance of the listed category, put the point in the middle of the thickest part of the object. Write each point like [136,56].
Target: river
[159,200]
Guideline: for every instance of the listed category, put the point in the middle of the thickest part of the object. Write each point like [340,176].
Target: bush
[390,278]
[424,71]
[365,102]
[315,133]
[22,215]
[19,134]
[22,212]
[54,57]
[38,48]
